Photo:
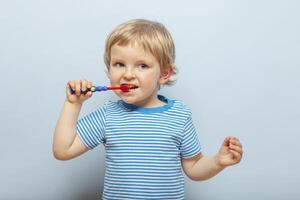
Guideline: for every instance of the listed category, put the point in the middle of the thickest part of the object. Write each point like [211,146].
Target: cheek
[113,76]
[151,80]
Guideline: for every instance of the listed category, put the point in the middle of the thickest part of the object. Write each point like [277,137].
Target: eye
[118,64]
[143,66]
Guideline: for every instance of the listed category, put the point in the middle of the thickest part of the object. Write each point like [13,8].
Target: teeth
[131,86]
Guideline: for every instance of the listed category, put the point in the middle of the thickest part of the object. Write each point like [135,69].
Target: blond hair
[152,36]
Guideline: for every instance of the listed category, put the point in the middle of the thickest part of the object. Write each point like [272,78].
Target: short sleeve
[91,128]
[190,145]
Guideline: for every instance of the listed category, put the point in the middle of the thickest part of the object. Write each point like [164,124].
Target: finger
[89,94]
[70,86]
[236,155]
[226,141]
[77,87]
[89,84]
[236,148]
[236,141]
[83,85]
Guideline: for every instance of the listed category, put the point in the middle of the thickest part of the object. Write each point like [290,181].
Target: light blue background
[238,71]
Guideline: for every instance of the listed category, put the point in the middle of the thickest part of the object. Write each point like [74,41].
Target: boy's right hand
[79,87]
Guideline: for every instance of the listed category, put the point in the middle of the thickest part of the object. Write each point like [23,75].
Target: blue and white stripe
[144,147]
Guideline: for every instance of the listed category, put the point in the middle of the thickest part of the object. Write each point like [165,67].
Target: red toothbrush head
[124,87]
[127,87]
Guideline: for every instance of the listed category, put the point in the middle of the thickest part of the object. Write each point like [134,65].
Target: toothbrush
[123,87]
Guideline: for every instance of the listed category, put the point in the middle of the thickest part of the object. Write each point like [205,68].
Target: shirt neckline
[167,106]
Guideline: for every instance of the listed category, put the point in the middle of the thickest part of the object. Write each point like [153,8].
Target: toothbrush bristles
[123,87]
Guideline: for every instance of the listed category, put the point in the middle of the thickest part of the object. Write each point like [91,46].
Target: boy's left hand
[230,153]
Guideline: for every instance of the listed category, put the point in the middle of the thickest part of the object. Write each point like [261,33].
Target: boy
[148,138]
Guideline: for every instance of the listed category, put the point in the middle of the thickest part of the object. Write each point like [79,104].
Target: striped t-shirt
[144,147]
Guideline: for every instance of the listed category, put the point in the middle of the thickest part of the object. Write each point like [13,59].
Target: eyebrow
[136,61]
[143,61]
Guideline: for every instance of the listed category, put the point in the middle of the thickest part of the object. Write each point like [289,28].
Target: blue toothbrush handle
[92,89]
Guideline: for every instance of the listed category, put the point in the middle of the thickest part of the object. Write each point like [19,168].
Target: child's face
[132,65]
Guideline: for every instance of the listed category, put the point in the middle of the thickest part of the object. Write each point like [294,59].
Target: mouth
[127,87]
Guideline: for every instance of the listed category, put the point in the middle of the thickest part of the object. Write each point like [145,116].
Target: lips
[130,86]
[126,87]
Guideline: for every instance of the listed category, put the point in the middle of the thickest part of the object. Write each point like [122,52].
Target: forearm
[204,168]
[65,131]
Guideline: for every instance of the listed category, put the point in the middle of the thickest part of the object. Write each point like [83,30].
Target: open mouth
[127,87]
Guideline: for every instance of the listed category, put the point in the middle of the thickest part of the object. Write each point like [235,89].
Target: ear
[166,74]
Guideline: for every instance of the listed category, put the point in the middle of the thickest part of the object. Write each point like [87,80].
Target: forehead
[131,51]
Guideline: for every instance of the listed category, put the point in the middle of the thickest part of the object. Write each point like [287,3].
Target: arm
[66,143]
[200,168]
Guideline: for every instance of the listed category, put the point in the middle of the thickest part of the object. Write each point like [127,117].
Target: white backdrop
[238,71]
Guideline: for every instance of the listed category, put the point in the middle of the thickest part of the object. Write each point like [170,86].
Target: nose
[129,73]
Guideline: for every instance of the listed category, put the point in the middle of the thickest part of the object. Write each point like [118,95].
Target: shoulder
[180,107]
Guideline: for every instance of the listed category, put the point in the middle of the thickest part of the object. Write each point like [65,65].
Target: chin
[132,100]
[129,100]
